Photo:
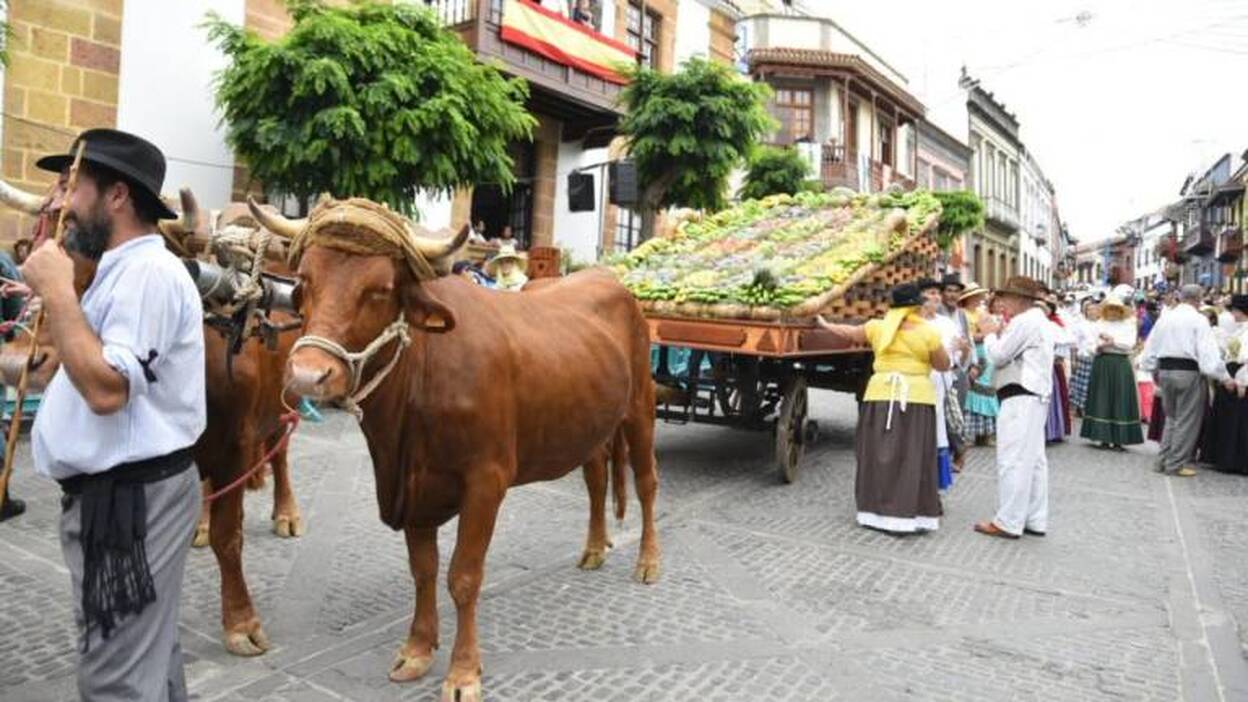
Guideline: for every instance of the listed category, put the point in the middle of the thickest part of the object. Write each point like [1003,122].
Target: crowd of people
[958,367]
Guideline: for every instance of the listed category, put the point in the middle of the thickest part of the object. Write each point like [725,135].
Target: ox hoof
[288,527]
[593,559]
[647,573]
[464,692]
[410,667]
[247,643]
[201,536]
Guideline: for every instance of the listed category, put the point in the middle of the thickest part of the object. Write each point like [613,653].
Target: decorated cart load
[782,257]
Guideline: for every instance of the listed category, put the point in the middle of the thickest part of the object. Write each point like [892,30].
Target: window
[643,34]
[886,141]
[627,229]
[795,110]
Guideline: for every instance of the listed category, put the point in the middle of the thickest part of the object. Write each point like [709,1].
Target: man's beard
[89,238]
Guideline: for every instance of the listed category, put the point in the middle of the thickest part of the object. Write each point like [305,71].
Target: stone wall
[268,19]
[723,37]
[64,57]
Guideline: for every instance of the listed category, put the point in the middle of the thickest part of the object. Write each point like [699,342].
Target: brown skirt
[897,470]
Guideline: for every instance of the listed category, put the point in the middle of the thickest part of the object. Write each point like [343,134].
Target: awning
[563,41]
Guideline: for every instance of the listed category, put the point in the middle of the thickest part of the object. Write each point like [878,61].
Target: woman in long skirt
[1112,413]
[981,397]
[1057,427]
[1225,436]
[1085,352]
[896,488]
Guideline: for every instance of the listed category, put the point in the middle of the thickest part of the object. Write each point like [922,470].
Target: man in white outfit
[1022,355]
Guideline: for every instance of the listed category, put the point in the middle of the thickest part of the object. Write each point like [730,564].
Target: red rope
[291,420]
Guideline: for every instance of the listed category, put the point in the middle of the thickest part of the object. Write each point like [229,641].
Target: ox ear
[426,312]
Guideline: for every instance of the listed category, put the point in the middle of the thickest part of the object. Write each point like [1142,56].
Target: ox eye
[296,296]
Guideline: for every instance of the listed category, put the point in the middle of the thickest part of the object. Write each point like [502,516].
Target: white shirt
[1184,333]
[1023,353]
[1124,333]
[943,379]
[141,302]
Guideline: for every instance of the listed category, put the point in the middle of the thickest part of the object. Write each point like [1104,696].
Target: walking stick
[15,424]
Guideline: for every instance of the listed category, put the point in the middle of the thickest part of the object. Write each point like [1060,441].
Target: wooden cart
[754,374]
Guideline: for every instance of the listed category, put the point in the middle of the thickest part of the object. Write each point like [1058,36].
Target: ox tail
[619,474]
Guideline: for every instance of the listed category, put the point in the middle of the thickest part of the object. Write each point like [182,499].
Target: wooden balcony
[840,169]
[1230,244]
[1168,249]
[584,100]
[1199,240]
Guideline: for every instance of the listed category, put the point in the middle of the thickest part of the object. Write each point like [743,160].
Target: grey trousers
[141,659]
[1183,398]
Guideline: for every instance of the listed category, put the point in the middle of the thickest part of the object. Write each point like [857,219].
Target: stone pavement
[768,591]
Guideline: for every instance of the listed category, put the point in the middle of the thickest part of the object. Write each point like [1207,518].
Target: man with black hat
[1022,356]
[951,288]
[118,419]
[1180,350]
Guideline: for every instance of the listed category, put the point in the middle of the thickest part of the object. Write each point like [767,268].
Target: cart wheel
[790,429]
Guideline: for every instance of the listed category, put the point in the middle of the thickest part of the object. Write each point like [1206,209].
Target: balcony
[1168,249]
[1199,240]
[1001,213]
[842,168]
[1230,244]
[569,66]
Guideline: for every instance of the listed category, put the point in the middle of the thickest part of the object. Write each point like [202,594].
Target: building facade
[76,64]
[1038,222]
[839,101]
[997,175]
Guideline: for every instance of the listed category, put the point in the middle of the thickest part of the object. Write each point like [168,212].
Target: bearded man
[117,421]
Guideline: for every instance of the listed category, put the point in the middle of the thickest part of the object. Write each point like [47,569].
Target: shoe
[12,508]
[1033,532]
[991,529]
[1185,472]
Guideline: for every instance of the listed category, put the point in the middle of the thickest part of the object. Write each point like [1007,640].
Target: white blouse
[1124,334]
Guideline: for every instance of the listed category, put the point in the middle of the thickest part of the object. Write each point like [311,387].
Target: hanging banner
[563,41]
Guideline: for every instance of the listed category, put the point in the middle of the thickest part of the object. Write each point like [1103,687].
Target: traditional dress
[946,384]
[896,485]
[981,397]
[1084,351]
[1182,351]
[1023,355]
[1057,426]
[1225,444]
[1112,413]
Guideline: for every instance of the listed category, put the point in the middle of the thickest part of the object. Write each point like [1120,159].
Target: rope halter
[355,361]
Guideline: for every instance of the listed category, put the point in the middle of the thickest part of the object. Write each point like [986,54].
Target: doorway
[498,209]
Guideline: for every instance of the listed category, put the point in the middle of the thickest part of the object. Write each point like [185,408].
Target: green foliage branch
[372,100]
[688,130]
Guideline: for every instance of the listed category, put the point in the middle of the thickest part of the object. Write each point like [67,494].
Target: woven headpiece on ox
[363,227]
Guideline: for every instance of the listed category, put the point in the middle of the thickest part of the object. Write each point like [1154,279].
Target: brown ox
[494,390]
[243,408]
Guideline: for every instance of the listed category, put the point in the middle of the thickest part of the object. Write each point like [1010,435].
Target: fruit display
[780,257]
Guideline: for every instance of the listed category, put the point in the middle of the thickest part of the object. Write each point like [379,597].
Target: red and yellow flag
[559,39]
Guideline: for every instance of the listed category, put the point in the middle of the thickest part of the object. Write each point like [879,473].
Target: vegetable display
[781,256]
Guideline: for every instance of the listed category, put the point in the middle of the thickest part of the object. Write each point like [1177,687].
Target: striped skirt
[1079,379]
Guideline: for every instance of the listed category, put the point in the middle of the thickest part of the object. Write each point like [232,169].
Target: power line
[70,133]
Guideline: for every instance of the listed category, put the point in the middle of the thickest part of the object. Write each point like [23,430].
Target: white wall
[577,232]
[434,211]
[165,91]
[693,30]
[608,17]
[795,33]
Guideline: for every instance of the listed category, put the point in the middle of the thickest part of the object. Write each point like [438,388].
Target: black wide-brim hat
[905,295]
[135,158]
[952,280]
[1239,302]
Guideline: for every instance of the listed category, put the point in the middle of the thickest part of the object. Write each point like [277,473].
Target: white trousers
[1022,468]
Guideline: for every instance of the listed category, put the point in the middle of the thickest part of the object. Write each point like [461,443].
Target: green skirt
[1111,414]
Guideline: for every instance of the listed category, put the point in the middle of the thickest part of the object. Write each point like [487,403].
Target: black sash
[116,577]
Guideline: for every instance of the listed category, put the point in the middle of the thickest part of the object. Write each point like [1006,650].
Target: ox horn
[19,199]
[274,222]
[434,249]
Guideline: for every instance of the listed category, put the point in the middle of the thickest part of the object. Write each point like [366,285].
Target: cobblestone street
[768,591]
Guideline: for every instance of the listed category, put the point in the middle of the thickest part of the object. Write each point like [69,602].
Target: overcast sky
[1118,105]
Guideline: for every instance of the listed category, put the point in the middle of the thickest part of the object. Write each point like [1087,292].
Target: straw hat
[506,252]
[973,290]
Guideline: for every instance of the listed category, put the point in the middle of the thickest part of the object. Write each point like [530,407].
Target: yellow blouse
[904,360]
